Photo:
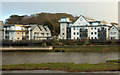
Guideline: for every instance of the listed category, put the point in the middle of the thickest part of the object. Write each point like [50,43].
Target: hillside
[41,19]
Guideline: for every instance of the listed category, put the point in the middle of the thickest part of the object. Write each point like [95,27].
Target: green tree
[50,25]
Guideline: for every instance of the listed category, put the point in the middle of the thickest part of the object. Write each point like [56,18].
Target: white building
[83,28]
[1,30]
[40,32]
[64,28]
[114,32]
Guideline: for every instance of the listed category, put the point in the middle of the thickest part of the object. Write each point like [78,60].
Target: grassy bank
[87,49]
[114,61]
[69,67]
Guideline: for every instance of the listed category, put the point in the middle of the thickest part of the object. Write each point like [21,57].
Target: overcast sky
[107,11]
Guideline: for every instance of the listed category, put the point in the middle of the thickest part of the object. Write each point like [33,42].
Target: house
[40,32]
[83,28]
[13,32]
[26,32]
[114,32]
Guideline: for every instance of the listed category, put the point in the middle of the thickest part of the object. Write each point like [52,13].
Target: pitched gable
[113,27]
[36,28]
[81,21]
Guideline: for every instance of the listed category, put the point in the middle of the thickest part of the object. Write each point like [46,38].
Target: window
[62,24]
[95,28]
[47,33]
[74,28]
[95,32]
[81,19]
[102,28]
[98,30]
[36,33]
[95,37]
[80,30]
[77,37]
[91,28]
[62,28]
[77,33]
[18,38]
[42,33]
[80,35]
[91,32]
[18,33]
[91,37]
[63,33]
[114,33]
[74,33]
[111,33]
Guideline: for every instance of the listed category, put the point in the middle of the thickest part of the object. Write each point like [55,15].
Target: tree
[14,19]
[50,25]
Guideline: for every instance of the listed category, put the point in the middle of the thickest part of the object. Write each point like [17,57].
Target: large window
[77,33]
[92,33]
[95,32]
[95,37]
[91,37]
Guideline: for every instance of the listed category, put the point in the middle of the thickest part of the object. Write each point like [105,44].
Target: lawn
[68,67]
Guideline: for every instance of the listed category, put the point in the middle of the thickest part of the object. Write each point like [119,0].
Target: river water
[54,57]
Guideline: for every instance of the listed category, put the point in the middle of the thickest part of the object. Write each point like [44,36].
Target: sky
[107,11]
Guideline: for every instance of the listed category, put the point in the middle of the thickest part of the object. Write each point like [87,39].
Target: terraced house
[26,32]
[84,28]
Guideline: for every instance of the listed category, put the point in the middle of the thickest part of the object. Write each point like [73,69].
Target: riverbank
[63,49]
[26,48]
[86,49]
[68,67]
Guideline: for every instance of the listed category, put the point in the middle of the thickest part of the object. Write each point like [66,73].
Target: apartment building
[84,28]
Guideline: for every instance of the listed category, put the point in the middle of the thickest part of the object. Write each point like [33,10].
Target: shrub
[44,44]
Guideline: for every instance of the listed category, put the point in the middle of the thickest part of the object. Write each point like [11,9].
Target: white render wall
[93,30]
[63,30]
[76,36]
[113,33]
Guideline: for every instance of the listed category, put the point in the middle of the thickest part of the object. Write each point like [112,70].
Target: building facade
[84,28]
[65,32]
[25,32]
[114,32]
[1,30]
[40,32]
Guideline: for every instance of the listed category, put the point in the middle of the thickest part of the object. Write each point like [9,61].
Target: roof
[32,27]
[91,20]
[118,28]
